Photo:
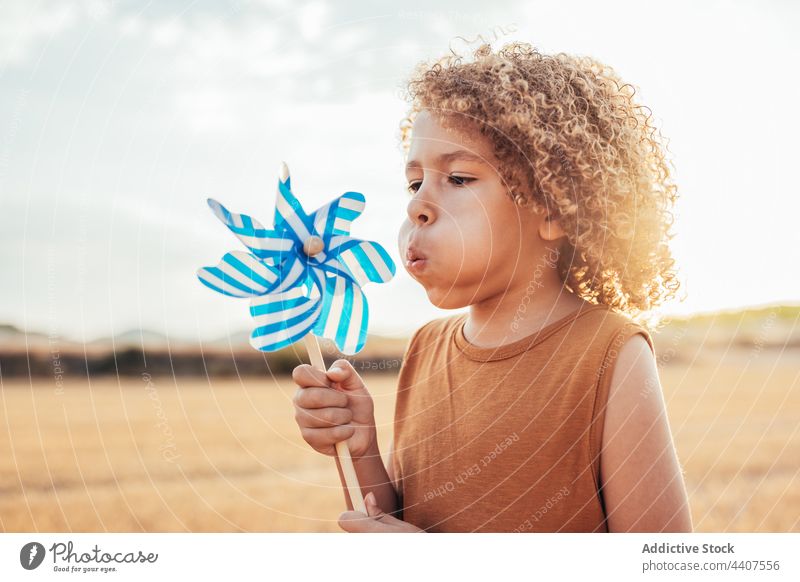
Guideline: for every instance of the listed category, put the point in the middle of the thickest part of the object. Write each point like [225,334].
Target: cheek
[479,239]
[402,237]
[489,248]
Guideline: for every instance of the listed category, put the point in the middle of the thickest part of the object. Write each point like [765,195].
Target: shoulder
[598,332]
[633,378]
[635,373]
[604,317]
[426,344]
[611,332]
[434,331]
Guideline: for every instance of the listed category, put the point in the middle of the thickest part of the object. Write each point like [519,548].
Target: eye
[414,186]
[460,180]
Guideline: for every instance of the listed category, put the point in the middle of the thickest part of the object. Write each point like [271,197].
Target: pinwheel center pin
[313,246]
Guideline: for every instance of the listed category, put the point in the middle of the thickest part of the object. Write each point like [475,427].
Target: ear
[550,229]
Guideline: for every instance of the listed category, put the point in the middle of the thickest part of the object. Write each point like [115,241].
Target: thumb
[372,506]
[344,376]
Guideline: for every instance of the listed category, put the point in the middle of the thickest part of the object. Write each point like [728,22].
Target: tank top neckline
[491,354]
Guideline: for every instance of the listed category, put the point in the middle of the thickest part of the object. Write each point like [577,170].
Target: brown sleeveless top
[507,439]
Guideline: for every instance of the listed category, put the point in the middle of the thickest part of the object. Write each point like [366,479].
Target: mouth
[415,260]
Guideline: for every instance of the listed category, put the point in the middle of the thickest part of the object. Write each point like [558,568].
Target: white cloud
[208,109]
[25,25]
[311,19]
[131,26]
[167,32]
[346,40]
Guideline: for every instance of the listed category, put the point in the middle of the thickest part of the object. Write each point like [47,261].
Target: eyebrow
[442,159]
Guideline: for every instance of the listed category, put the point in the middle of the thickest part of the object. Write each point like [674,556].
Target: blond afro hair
[570,139]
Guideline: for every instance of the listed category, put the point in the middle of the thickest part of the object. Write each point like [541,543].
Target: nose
[420,211]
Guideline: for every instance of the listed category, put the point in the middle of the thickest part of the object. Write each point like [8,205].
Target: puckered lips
[416,260]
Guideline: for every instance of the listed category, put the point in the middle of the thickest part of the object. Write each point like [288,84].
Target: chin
[446,301]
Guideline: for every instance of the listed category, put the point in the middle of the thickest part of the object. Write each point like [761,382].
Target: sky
[118,120]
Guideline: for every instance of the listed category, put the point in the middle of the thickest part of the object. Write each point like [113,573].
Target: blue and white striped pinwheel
[303,275]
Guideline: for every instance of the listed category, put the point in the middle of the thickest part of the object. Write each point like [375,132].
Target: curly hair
[569,139]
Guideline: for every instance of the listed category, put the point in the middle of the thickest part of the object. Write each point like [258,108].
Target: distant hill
[11,336]
[763,327]
[142,338]
[784,313]
[138,351]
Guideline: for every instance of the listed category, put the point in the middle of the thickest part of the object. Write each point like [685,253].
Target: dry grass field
[225,455]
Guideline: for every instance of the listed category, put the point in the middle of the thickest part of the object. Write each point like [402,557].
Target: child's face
[463,239]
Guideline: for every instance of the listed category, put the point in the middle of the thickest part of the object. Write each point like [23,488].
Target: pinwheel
[304,279]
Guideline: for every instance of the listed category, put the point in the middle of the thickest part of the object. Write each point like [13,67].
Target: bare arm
[641,478]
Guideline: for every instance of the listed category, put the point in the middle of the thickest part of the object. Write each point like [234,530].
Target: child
[540,198]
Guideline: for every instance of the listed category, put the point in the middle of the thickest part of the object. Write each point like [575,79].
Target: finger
[323,417]
[357,522]
[344,376]
[372,506]
[305,376]
[315,397]
[324,437]
[378,514]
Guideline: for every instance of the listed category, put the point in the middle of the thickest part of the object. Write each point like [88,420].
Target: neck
[520,310]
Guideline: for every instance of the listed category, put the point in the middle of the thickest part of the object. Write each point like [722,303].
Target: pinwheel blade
[282,319]
[289,213]
[239,274]
[366,261]
[269,245]
[336,217]
[345,315]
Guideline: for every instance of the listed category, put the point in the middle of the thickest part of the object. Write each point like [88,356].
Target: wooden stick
[342,451]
